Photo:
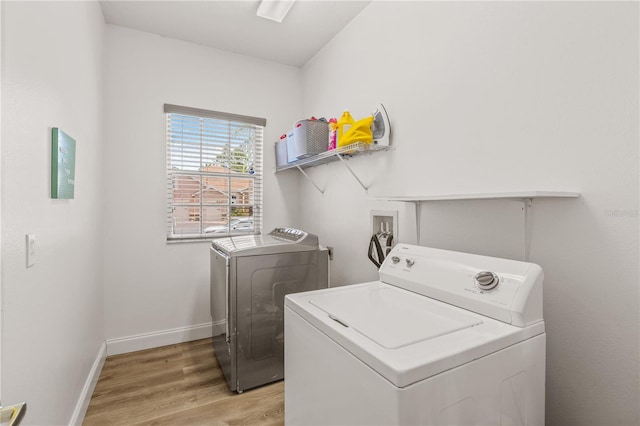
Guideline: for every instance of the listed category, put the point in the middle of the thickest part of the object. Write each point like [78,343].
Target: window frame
[195,180]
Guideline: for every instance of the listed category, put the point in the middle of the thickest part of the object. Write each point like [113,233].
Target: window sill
[207,239]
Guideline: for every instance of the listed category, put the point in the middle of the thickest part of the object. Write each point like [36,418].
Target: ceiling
[232,25]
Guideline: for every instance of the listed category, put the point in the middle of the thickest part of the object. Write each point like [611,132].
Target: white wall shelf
[341,154]
[482,196]
[526,197]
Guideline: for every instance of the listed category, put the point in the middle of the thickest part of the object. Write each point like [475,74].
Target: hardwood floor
[178,385]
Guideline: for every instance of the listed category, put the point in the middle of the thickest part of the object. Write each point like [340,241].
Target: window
[214,173]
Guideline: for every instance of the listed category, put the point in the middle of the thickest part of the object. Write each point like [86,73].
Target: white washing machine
[443,338]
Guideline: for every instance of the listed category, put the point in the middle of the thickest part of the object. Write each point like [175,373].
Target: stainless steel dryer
[250,275]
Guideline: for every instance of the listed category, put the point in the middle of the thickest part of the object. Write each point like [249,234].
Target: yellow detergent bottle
[359,132]
[344,124]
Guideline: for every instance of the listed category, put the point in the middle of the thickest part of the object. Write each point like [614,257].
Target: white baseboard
[160,338]
[90,384]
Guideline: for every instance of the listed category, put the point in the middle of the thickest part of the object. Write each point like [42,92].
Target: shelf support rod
[527,202]
[310,180]
[352,172]
[418,206]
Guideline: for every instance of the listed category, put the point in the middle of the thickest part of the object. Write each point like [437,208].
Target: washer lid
[393,318]
[404,336]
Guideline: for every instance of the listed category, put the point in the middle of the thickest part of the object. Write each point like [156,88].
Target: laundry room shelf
[481,196]
[341,154]
[525,197]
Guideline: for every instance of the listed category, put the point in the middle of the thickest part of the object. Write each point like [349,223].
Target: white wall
[52,312]
[152,286]
[503,96]
[482,97]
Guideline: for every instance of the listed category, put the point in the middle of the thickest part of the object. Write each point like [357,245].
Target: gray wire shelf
[347,151]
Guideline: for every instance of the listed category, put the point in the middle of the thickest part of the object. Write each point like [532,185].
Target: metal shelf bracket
[346,164]
[348,151]
[310,180]
[526,205]
[343,161]
[418,206]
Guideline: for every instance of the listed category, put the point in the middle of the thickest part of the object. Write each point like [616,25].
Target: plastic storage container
[291,147]
[281,152]
[309,138]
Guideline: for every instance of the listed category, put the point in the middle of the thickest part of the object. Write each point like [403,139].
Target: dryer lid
[393,318]
[280,240]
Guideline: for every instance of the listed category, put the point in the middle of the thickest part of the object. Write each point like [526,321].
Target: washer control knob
[410,262]
[486,280]
[395,259]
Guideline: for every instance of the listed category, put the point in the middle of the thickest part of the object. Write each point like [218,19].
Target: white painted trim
[1,287]
[160,338]
[89,386]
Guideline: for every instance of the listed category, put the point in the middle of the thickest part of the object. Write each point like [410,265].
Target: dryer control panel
[289,234]
[503,289]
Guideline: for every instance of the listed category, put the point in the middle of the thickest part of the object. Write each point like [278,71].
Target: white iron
[380,127]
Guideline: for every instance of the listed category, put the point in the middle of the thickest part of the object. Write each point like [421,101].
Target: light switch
[31,250]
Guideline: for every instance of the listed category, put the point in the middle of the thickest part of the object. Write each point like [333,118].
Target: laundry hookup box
[307,138]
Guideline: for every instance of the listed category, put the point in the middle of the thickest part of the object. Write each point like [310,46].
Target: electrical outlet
[31,250]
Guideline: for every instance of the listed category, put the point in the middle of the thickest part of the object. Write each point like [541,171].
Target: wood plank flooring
[178,385]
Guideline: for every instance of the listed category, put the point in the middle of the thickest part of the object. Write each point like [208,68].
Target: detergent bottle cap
[346,115]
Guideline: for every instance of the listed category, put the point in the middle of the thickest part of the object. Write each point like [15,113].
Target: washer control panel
[499,288]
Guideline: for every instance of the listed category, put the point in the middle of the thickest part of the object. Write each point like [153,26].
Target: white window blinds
[214,173]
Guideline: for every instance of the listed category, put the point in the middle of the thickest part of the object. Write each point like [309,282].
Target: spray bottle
[333,134]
